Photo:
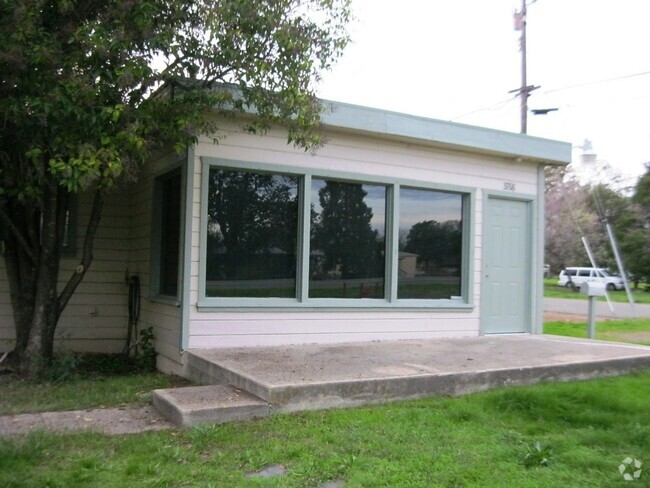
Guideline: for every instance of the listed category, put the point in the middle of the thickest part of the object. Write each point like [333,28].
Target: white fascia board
[445,134]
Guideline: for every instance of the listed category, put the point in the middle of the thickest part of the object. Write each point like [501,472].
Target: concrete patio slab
[215,404]
[315,376]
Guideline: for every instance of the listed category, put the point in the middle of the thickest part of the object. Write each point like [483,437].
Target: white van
[581,275]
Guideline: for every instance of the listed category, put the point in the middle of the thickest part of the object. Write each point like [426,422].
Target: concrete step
[316,376]
[206,371]
[214,404]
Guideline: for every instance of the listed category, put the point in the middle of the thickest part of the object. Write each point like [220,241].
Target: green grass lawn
[583,429]
[551,290]
[627,330]
[80,392]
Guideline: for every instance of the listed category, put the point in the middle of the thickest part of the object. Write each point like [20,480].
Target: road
[581,307]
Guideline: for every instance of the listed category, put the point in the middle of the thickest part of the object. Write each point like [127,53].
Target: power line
[596,82]
[493,107]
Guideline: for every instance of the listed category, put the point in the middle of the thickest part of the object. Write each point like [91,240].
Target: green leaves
[81,75]
[537,455]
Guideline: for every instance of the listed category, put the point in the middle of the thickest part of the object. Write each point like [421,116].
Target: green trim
[392,250]
[186,250]
[386,124]
[438,133]
[531,202]
[304,233]
[156,235]
[163,300]
[302,301]
[326,174]
[538,270]
[342,306]
[203,231]
[469,246]
[69,250]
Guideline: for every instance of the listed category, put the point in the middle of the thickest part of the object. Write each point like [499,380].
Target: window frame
[302,301]
[159,179]
[69,249]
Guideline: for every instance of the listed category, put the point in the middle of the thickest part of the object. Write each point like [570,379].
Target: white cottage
[399,227]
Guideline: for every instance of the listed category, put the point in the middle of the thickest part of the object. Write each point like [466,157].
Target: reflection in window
[430,244]
[347,252]
[170,232]
[252,234]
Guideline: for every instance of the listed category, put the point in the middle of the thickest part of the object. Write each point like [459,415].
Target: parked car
[577,276]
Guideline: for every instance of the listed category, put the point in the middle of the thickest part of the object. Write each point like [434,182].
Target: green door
[506,267]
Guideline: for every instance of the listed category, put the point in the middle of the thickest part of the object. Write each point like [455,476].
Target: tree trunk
[21,273]
[39,346]
[32,257]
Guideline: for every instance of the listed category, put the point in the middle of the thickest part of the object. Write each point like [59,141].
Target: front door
[506,280]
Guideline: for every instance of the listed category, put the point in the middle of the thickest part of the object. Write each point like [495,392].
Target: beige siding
[165,318]
[96,318]
[357,155]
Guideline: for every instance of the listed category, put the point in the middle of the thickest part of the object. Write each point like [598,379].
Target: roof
[394,125]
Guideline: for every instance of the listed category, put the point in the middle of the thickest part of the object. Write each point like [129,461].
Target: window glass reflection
[430,244]
[347,246]
[252,234]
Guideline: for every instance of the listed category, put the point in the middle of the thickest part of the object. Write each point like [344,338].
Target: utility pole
[525,89]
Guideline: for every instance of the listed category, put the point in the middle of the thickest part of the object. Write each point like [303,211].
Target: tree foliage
[89,88]
[252,216]
[437,244]
[574,211]
[344,234]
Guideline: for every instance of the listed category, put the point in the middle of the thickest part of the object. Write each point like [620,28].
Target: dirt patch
[564,317]
[643,336]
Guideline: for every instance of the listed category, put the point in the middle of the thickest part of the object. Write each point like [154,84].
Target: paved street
[581,307]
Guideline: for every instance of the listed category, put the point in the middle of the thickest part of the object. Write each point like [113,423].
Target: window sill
[328,305]
[173,301]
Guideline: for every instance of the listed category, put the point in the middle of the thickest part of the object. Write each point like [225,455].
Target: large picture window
[252,234]
[430,244]
[278,237]
[347,246]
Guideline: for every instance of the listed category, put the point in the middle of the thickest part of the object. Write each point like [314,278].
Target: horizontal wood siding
[96,317]
[165,318]
[358,156]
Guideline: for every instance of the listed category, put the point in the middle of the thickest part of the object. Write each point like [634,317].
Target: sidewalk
[111,421]
[581,307]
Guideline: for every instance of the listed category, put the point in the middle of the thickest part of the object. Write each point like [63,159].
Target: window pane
[430,244]
[348,242]
[170,228]
[252,234]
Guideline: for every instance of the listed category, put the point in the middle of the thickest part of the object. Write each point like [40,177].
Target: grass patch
[18,396]
[635,331]
[569,434]
[88,381]
[552,290]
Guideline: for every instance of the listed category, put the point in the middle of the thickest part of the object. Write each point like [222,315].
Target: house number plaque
[508,186]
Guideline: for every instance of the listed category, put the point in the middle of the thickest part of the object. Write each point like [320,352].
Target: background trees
[88,89]
[574,210]
[437,244]
[344,234]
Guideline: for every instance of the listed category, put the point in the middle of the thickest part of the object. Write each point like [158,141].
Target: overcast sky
[457,60]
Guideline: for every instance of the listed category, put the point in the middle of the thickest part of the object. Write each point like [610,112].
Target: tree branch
[87,254]
[17,235]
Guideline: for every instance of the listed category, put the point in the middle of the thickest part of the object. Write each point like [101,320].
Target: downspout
[187,250]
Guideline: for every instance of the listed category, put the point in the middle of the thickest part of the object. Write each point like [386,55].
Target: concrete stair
[246,383]
[205,371]
[215,404]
